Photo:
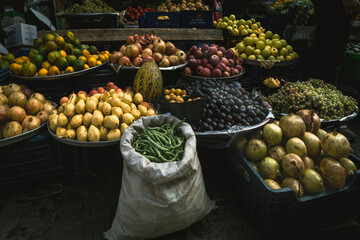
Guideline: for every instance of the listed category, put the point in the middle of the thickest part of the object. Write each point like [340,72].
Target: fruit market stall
[149,98]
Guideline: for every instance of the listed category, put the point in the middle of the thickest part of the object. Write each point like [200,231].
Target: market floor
[84,207]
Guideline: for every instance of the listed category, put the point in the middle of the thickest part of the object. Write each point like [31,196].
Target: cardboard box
[20,34]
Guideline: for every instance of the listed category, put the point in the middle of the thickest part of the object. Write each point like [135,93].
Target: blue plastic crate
[196,19]
[4,74]
[31,160]
[275,214]
[162,19]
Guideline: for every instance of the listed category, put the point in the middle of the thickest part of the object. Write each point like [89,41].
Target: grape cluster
[90,6]
[327,101]
[226,105]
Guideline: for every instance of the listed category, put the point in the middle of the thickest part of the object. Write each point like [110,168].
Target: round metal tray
[60,76]
[22,137]
[277,63]
[117,67]
[83,144]
[224,79]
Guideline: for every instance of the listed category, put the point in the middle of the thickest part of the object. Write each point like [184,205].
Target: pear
[93,134]
[103,133]
[114,134]
[81,133]
[76,120]
[60,132]
[111,122]
[87,119]
[70,134]
[97,118]
[106,108]
[62,120]
[80,107]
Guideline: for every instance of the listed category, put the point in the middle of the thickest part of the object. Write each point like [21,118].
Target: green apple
[260,45]
[284,52]
[252,57]
[268,42]
[249,31]
[260,57]
[249,50]
[288,57]
[268,34]
[283,42]
[262,39]
[248,22]
[292,55]
[271,57]
[241,22]
[266,53]
[289,48]
[243,55]
[232,17]
[248,41]
[235,32]
[257,52]
[230,22]
[244,32]
[274,51]
[225,19]
[229,28]
[277,44]
[276,36]
[262,35]
[280,58]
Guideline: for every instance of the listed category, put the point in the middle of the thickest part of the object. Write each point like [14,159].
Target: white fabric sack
[158,198]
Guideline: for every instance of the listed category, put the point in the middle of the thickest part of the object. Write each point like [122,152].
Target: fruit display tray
[117,67]
[21,137]
[276,63]
[60,76]
[224,79]
[83,144]
[275,214]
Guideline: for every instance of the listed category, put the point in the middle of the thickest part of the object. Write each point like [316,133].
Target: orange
[69,69]
[53,70]
[102,58]
[43,72]
[46,65]
[50,46]
[53,56]
[28,69]
[107,52]
[91,62]
[85,52]
[98,62]
[60,41]
[62,53]
[16,68]
[83,59]
[48,37]
[86,66]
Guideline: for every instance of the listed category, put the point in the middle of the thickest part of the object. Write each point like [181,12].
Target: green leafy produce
[90,6]
[161,144]
[323,98]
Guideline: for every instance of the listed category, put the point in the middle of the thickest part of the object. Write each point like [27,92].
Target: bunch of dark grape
[90,6]
[327,101]
[227,105]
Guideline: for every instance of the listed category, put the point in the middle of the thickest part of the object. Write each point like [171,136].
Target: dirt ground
[82,207]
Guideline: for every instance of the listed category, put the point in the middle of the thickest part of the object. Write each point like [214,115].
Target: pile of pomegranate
[213,61]
[21,110]
[138,49]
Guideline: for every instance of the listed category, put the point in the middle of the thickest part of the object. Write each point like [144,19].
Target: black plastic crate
[162,19]
[30,160]
[196,19]
[275,214]
[85,161]
[91,20]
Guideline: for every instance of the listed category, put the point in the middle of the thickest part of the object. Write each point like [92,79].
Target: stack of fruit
[135,13]
[21,110]
[265,46]
[213,61]
[55,54]
[99,117]
[296,153]
[177,6]
[138,49]
[6,60]
[239,27]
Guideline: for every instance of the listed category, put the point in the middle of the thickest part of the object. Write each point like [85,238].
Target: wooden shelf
[111,35]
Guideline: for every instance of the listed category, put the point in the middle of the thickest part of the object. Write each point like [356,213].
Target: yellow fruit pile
[54,54]
[101,117]
[239,27]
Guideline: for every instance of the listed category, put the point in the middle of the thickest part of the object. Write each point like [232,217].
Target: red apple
[229,54]
[188,71]
[114,87]
[205,72]
[193,49]
[209,66]
[225,74]
[204,61]
[64,100]
[221,66]
[198,70]
[231,62]
[109,84]
[191,57]
[239,67]
[234,71]
[214,60]
[225,61]
[239,61]
[227,68]
[205,54]
[204,47]
[222,49]
[92,92]
[216,72]
[220,54]
[82,92]
[212,51]
[192,63]
[198,53]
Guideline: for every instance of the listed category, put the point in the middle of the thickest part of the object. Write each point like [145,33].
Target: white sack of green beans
[164,194]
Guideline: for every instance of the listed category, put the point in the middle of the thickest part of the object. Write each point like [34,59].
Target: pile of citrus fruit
[54,54]
[6,60]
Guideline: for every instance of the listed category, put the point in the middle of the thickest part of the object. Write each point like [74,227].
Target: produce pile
[353,48]
[323,98]
[239,27]
[138,49]
[21,110]
[296,153]
[265,46]
[227,105]
[90,6]
[176,6]
[161,144]
[54,54]
[213,61]
[6,60]
[99,117]
[135,13]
